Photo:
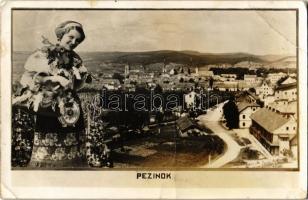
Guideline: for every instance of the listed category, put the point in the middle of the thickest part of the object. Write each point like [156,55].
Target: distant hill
[185,57]
[182,57]
[97,61]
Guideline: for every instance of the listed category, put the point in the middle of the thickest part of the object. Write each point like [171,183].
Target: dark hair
[61,29]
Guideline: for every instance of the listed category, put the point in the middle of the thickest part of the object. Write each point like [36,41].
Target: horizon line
[212,53]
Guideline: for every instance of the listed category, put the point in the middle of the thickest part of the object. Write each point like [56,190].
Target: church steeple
[126,70]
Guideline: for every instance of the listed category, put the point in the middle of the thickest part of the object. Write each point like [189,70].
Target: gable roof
[288,80]
[244,104]
[252,95]
[287,86]
[289,107]
[266,81]
[184,123]
[269,120]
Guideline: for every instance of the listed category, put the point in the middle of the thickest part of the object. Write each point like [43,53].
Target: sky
[206,31]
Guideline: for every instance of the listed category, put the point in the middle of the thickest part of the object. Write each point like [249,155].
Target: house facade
[284,107]
[264,89]
[251,79]
[274,131]
[274,77]
[228,77]
[190,99]
[246,109]
[286,91]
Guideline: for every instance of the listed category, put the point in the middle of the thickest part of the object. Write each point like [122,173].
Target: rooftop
[184,123]
[287,86]
[244,104]
[268,119]
[284,107]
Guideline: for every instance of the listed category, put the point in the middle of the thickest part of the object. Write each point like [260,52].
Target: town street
[211,120]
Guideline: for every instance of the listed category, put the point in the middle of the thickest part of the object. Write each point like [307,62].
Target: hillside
[114,61]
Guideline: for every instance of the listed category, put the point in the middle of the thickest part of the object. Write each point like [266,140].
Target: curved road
[211,120]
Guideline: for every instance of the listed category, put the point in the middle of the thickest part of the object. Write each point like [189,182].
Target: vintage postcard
[153,99]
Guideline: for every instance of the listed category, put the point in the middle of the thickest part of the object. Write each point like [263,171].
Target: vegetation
[119,77]
[231,114]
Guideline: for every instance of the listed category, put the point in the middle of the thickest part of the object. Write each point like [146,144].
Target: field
[164,149]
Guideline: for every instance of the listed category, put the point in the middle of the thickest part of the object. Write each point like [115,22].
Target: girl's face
[70,40]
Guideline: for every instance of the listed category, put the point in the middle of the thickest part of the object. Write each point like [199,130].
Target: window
[287,128]
[243,123]
[254,109]
[293,127]
[244,116]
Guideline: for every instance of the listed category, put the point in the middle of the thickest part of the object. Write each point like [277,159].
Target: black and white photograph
[154,89]
[153,99]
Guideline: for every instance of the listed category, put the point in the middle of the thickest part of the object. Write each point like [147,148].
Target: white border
[123,184]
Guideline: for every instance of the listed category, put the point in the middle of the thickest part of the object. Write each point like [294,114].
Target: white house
[172,71]
[251,79]
[245,110]
[228,77]
[226,86]
[294,146]
[274,77]
[284,107]
[268,99]
[286,91]
[204,73]
[243,85]
[190,99]
[110,84]
[264,89]
[274,131]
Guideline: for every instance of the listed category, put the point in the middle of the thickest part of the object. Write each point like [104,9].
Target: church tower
[126,70]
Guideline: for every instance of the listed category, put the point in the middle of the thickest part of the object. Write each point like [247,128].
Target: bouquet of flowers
[55,88]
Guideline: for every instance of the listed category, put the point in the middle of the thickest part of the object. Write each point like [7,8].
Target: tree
[231,114]
[211,81]
[191,80]
[119,77]
[158,89]
[252,90]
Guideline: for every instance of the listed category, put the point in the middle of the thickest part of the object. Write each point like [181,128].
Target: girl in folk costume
[52,76]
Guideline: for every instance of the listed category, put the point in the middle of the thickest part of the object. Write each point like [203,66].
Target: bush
[250,154]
